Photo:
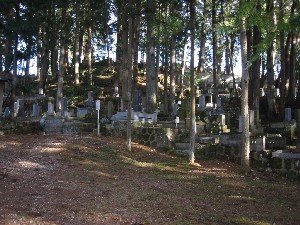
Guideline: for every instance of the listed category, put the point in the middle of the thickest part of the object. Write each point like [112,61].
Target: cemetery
[149,112]
[274,145]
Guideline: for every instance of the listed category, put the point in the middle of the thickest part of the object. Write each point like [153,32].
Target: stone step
[182,152]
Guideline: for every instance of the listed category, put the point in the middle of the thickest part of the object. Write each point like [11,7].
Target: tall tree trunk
[15,60]
[150,63]
[81,45]
[124,53]
[166,74]
[136,40]
[291,57]
[129,80]
[232,43]
[256,67]
[55,42]
[292,81]
[1,53]
[245,163]
[39,54]
[44,57]
[76,44]
[172,74]
[192,84]
[201,62]
[62,64]
[183,61]
[270,68]
[214,43]
[89,55]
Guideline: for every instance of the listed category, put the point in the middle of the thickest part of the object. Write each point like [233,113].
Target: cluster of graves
[218,124]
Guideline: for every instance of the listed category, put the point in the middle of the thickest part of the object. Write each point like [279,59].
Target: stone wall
[67,126]
[156,137]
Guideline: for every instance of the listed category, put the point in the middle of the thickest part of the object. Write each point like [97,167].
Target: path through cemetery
[94,180]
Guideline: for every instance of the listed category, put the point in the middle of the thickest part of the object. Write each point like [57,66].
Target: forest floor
[94,180]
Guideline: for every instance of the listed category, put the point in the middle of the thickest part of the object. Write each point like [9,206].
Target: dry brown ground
[94,180]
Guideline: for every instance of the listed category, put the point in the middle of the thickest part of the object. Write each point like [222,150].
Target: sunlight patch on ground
[103,174]
[245,220]
[30,165]
[52,149]
[242,197]
[159,166]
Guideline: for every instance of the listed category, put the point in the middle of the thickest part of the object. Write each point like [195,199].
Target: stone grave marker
[136,100]
[110,109]
[64,106]
[35,110]
[288,114]
[50,111]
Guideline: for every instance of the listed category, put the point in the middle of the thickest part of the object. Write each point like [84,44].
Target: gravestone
[35,110]
[288,114]
[41,91]
[116,92]
[110,109]
[81,112]
[175,109]
[202,104]
[122,105]
[90,100]
[252,124]
[64,106]
[219,103]
[6,112]
[19,108]
[50,111]
[136,101]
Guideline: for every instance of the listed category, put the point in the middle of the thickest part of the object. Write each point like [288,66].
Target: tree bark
[192,84]
[44,57]
[76,44]
[270,70]
[166,74]
[136,40]
[201,62]
[183,61]
[172,74]
[129,80]
[214,43]
[245,163]
[150,63]
[89,55]
[62,65]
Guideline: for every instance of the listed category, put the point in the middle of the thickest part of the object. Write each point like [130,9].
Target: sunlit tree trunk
[270,69]
[166,75]
[62,65]
[38,53]
[192,84]
[292,81]
[245,163]
[214,46]
[172,73]
[89,55]
[183,61]
[136,41]
[44,57]
[76,44]
[201,62]
[129,79]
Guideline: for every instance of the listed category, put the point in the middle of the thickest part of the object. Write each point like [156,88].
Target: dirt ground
[94,180]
